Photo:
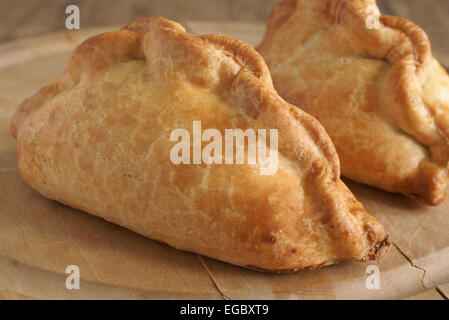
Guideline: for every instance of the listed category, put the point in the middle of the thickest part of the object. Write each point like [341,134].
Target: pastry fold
[98,140]
[372,82]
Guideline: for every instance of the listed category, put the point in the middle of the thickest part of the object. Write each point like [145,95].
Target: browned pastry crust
[98,140]
[381,96]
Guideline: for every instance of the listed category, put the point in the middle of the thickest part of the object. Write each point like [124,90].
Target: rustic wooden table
[38,238]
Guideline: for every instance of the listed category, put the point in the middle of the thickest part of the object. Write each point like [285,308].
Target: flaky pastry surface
[380,94]
[98,140]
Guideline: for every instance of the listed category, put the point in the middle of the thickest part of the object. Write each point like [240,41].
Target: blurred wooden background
[24,18]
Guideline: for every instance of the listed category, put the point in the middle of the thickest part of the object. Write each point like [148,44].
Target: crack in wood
[223,296]
[442,293]
[413,265]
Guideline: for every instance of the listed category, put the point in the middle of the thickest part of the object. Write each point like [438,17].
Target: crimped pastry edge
[258,76]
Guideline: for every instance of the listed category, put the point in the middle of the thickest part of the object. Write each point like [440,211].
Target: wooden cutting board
[39,238]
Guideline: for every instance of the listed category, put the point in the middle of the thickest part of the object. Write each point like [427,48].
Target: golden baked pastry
[98,139]
[375,87]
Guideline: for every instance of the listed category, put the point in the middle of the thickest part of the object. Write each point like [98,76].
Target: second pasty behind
[378,91]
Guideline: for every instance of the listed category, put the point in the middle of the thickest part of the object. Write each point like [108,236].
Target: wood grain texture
[427,295]
[6,294]
[39,238]
[343,281]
